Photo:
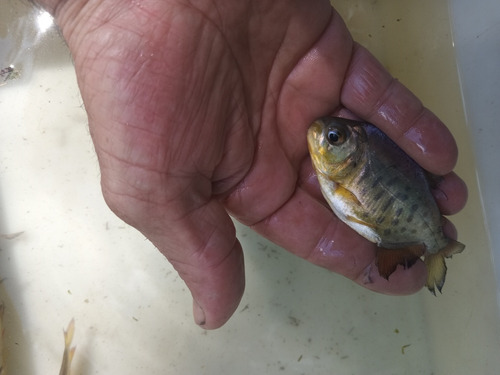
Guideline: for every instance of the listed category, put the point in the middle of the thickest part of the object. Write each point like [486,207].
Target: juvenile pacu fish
[378,190]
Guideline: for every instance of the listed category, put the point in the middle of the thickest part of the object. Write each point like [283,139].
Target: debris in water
[404,347]
[9,73]
[69,352]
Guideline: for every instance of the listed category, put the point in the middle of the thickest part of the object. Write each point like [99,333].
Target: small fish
[378,190]
[2,358]
[69,351]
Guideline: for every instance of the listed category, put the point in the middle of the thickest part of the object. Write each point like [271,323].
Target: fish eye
[335,136]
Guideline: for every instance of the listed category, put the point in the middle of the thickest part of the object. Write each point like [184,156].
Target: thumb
[199,238]
[204,250]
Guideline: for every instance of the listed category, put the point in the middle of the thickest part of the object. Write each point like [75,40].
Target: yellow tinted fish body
[380,192]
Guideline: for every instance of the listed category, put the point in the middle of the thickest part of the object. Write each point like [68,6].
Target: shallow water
[133,313]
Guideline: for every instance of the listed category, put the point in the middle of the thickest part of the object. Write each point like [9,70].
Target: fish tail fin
[436,265]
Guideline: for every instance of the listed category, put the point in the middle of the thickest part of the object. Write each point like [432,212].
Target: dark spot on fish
[395,222]
[402,197]
[388,204]
[378,195]
[407,188]
[380,219]
[392,181]
[410,219]
[376,182]
[362,177]
[387,232]
[414,207]
[413,231]
[403,229]
[398,212]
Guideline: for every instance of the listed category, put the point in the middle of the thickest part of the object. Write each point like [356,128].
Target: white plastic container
[133,313]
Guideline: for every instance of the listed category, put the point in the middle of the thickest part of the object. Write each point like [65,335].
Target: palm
[198,111]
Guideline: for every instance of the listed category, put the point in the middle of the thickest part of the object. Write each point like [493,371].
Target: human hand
[200,108]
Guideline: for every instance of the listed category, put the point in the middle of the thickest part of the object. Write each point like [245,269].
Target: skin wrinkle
[291,153]
[290,156]
[224,183]
[360,81]
[224,31]
[205,255]
[142,194]
[389,113]
[391,109]
[367,82]
[297,85]
[159,147]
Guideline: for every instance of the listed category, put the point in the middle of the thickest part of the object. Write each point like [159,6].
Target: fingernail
[199,314]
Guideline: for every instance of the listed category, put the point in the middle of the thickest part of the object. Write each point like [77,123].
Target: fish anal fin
[453,247]
[388,259]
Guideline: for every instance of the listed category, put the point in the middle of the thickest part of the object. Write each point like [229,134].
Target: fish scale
[379,191]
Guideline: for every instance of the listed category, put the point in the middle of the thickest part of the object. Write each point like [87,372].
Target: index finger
[371,93]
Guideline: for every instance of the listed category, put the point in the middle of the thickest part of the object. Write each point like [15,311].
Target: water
[132,312]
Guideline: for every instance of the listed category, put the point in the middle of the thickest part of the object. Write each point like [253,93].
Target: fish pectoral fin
[436,265]
[350,199]
[345,195]
[387,260]
[359,221]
